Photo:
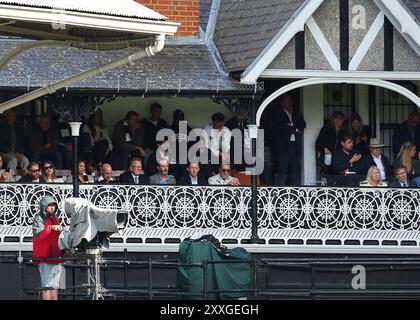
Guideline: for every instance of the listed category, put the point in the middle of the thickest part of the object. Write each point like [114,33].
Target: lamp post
[75,129]
[253,130]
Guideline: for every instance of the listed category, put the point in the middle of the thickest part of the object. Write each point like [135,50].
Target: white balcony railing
[307,219]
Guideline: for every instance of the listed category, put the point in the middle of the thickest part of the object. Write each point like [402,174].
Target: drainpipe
[41,43]
[50,89]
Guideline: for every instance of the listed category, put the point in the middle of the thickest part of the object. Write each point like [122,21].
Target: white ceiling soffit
[87,21]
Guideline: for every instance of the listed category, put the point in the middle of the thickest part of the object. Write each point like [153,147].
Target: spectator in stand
[408,157]
[4,175]
[128,139]
[288,142]
[152,126]
[43,140]
[83,176]
[376,158]
[48,173]
[163,176]
[239,122]
[177,117]
[180,138]
[192,177]
[12,141]
[401,178]
[162,152]
[65,143]
[46,231]
[99,142]
[135,174]
[347,164]
[199,153]
[217,139]
[106,176]
[409,130]
[34,174]
[360,134]
[224,178]
[373,178]
[327,142]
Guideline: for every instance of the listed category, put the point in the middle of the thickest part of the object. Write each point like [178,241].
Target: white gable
[361,44]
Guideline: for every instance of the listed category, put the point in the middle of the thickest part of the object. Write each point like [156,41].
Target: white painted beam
[323,44]
[295,24]
[367,42]
[330,74]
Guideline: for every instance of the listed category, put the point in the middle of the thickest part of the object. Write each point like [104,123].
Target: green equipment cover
[220,276]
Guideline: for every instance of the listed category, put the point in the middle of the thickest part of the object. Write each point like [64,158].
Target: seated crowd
[347,154]
[133,151]
[350,157]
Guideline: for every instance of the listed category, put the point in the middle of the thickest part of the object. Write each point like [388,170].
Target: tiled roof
[176,68]
[205,8]
[245,27]
[124,8]
[414,7]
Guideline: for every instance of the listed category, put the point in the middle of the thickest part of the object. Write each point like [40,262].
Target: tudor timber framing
[367,42]
[323,44]
[398,15]
[295,24]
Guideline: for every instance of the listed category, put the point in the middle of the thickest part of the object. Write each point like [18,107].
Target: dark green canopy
[224,275]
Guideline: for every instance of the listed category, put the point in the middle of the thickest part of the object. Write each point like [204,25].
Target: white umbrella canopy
[90,24]
[127,8]
[103,24]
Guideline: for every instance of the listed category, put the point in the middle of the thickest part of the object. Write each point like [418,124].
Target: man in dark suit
[34,174]
[347,163]
[128,139]
[152,126]
[408,131]
[401,178]
[134,176]
[192,177]
[377,159]
[288,142]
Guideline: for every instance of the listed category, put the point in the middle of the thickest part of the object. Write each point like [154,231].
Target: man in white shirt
[224,178]
[106,176]
[217,137]
[376,158]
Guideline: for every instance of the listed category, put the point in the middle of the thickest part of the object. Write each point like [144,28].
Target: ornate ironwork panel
[312,217]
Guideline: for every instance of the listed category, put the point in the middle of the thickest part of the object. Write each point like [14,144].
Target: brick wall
[187,12]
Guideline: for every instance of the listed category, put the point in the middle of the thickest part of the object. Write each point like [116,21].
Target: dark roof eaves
[410,12]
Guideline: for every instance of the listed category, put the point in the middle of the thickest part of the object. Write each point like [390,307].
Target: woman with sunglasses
[48,172]
[83,177]
[4,175]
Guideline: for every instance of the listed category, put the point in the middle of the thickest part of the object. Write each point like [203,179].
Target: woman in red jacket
[46,230]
